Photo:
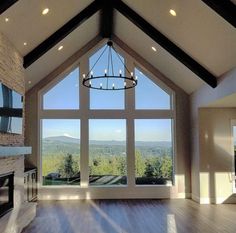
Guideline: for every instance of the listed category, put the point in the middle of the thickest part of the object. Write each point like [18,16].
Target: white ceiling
[197,29]
[161,59]
[53,58]
[27,24]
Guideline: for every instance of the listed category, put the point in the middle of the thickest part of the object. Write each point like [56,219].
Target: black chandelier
[109,76]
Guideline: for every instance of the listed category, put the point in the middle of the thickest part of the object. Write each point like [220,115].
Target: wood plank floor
[132,216]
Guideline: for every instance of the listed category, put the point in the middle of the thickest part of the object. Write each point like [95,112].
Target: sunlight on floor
[171,224]
[114,225]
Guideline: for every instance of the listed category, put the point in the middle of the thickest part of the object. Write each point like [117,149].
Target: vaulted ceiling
[197,29]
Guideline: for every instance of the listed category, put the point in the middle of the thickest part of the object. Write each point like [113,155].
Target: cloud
[118,131]
[67,135]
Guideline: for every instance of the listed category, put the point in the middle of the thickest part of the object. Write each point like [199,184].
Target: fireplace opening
[6,192]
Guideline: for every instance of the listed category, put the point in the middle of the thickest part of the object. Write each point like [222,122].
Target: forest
[107,162]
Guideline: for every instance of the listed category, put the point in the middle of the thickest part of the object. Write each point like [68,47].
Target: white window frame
[129,113]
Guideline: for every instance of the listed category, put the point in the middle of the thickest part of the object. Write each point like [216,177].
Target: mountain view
[107,161]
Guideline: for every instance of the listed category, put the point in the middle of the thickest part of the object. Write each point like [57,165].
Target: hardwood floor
[132,216]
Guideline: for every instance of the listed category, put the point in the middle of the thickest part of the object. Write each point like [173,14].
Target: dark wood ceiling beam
[225,8]
[106,19]
[5,4]
[168,45]
[61,33]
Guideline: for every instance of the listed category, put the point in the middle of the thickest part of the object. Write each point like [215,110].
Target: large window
[107,152]
[116,144]
[61,152]
[153,151]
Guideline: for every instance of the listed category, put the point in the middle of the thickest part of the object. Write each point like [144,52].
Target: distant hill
[64,145]
[62,139]
[66,139]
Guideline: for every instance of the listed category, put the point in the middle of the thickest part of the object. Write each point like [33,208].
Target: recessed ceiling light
[6,19]
[45,11]
[29,82]
[25,43]
[60,48]
[154,49]
[172,12]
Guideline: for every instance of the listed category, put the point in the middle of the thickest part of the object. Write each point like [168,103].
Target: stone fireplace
[20,213]
[6,192]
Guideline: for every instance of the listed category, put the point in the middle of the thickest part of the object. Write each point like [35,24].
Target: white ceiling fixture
[60,47]
[172,12]
[154,49]
[45,11]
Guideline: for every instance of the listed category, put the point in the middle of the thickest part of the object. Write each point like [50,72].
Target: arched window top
[65,94]
[149,95]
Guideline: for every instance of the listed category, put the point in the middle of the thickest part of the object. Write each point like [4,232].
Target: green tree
[139,164]
[67,169]
[149,170]
[166,167]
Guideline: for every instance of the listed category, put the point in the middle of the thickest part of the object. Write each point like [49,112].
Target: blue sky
[145,130]
[106,99]
[65,95]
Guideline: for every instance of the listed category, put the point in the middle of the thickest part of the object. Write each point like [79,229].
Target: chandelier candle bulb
[120,73]
[100,85]
[132,74]
[136,77]
[113,86]
[90,83]
[125,84]
[84,76]
[91,74]
[105,72]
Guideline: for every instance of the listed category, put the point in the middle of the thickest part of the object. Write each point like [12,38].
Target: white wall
[203,98]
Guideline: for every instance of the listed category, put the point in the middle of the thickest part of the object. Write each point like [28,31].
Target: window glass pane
[107,152]
[101,99]
[153,152]
[65,94]
[148,95]
[61,152]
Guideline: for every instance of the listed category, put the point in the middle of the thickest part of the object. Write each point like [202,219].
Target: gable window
[148,95]
[95,139]
[65,94]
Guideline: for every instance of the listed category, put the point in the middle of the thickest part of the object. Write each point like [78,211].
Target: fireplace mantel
[6,151]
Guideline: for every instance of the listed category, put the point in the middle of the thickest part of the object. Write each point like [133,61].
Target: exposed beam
[106,19]
[168,45]
[61,33]
[225,8]
[5,4]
